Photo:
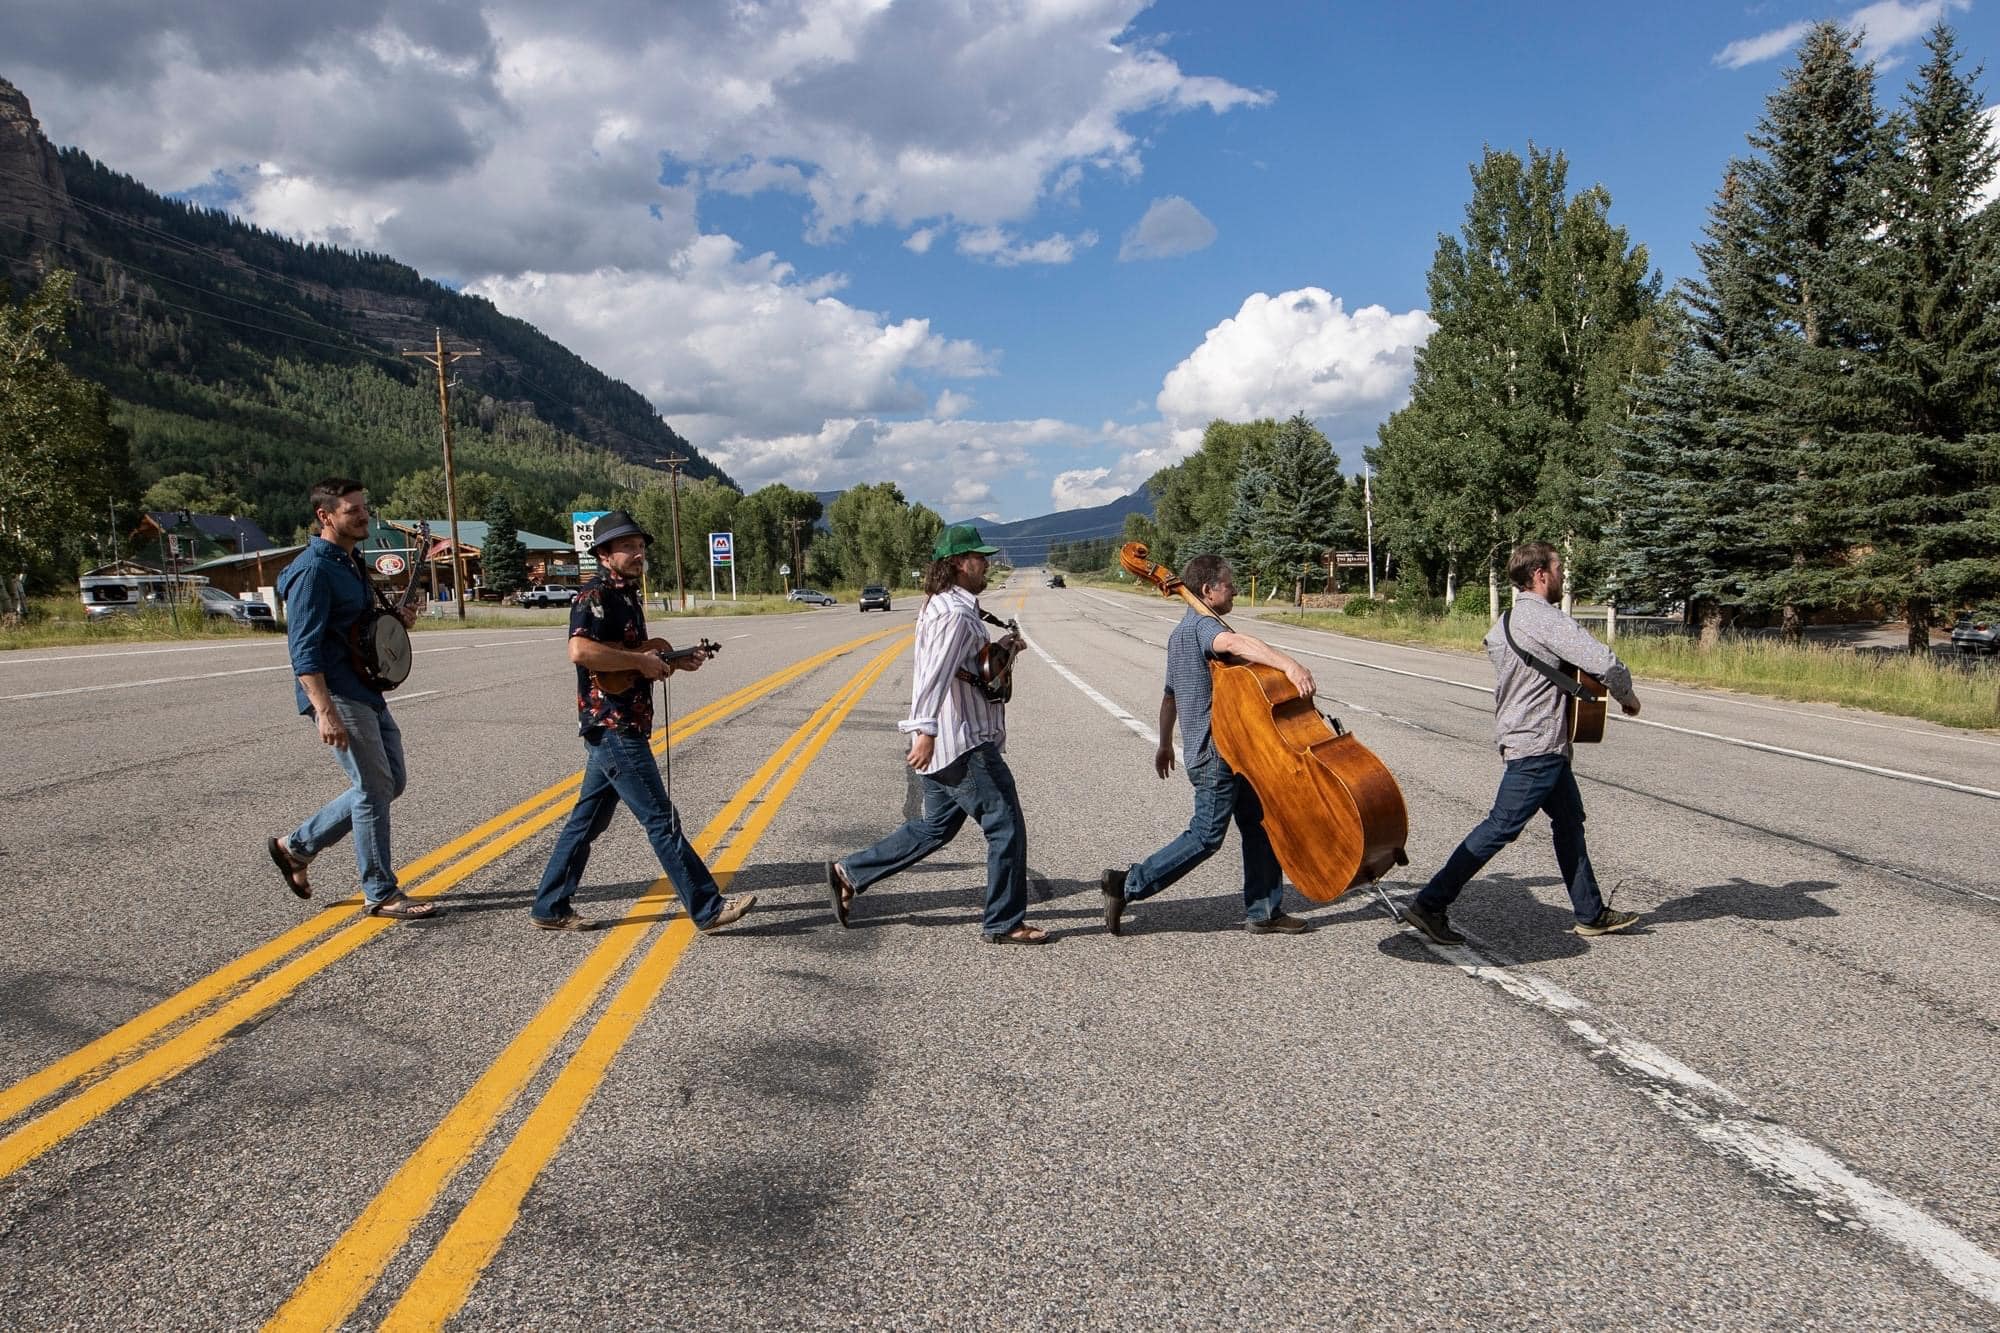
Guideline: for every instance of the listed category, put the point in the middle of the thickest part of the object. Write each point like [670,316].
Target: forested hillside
[255,364]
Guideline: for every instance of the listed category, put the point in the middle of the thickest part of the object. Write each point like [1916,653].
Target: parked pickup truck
[547,594]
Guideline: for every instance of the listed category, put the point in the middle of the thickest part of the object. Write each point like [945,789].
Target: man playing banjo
[328,597]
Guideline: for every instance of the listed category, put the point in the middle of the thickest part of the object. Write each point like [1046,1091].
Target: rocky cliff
[35,207]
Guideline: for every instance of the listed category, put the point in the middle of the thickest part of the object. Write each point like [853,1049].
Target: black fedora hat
[610,527]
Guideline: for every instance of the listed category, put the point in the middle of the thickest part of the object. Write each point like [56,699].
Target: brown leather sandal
[292,868]
[1021,934]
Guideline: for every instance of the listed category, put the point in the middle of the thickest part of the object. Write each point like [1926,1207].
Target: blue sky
[1011,256]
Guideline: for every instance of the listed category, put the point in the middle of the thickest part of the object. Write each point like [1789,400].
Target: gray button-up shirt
[1529,716]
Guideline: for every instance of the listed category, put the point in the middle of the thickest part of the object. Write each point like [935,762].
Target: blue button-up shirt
[324,595]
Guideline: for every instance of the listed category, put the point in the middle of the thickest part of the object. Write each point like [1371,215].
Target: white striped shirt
[949,636]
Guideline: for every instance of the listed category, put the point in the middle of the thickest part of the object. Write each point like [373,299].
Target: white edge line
[1709,1112]
[136,684]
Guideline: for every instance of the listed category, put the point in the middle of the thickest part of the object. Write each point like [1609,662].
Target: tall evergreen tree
[1809,186]
[1287,507]
[1918,468]
[503,561]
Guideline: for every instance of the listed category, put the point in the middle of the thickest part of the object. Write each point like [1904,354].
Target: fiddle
[617,682]
[1333,811]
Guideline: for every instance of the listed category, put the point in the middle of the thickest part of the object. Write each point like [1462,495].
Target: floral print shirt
[608,610]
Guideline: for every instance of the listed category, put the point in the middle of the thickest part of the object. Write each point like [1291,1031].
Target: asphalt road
[1772,1107]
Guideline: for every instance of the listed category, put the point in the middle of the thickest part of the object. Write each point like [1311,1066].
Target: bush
[1470,600]
[1420,604]
[1361,606]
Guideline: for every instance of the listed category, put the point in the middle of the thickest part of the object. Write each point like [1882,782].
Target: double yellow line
[179,1032]
[350,1270]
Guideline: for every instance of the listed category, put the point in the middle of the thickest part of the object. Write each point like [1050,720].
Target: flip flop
[293,869]
[401,908]
[838,893]
[1039,937]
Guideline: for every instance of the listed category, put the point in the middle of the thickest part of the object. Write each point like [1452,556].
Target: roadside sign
[582,521]
[721,548]
[786,570]
[390,564]
[1350,559]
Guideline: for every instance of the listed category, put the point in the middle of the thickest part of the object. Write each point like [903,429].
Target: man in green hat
[957,730]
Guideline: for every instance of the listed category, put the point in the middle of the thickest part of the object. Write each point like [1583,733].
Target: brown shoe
[732,911]
[567,921]
[1279,923]
[291,867]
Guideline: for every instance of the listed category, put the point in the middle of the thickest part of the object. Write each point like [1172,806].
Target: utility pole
[442,360]
[1368,508]
[798,563]
[673,466]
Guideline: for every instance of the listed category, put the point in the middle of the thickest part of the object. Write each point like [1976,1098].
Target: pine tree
[1808,190]
[1916,468]
[503,561]
[1286,510]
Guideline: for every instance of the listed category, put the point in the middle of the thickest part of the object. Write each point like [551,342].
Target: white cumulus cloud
[1885,28]
[1081,488]
[1172,226]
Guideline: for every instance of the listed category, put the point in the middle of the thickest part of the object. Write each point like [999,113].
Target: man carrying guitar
[607,640]
[1531,723]
[1220,793]
[957,729]
[328,595]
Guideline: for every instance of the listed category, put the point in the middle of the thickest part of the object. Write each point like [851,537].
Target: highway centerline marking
[350,1269]
[1720,1120]
[128,1065]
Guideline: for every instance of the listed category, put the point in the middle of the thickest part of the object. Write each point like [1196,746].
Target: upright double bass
[1333,811]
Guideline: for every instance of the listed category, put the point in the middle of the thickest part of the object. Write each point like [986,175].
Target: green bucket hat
[961,539]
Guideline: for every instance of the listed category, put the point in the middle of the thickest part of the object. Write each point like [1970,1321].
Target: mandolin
[1333,811]
[617,682]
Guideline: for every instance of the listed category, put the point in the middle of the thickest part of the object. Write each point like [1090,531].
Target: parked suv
[874,597]
[809,597]
[1977,632]
[219,605]
[547,594]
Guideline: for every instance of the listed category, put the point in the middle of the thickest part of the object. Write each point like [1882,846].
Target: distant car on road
[874,597]
[547,594]
[810,597]
[1056,581]
[1978,632]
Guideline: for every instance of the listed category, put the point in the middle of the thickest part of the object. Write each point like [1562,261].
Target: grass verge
[1921,687]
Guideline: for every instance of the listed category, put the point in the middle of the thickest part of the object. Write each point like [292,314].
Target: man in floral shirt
[607,634]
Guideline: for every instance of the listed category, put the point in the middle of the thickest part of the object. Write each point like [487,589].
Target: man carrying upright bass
[616,665]
[1220,793]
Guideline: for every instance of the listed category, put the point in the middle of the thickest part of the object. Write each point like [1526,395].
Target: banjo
[379,641]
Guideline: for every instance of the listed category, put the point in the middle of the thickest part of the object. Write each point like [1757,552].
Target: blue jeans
[621,768]
[1220,793]
[977,784]
[374,764]
[1535,782]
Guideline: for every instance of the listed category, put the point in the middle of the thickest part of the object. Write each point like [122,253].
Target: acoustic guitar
[1584,710]
[1334,813]
[617,682]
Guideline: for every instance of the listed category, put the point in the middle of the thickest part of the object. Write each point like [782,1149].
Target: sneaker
[1111,888]
[732,911]
[1279,923]
[1608,922]
[567,921]
[1431,925]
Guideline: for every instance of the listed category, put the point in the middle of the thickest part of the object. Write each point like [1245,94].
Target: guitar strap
[1575,689]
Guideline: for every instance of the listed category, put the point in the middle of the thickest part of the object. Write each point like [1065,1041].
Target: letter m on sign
[721,548]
